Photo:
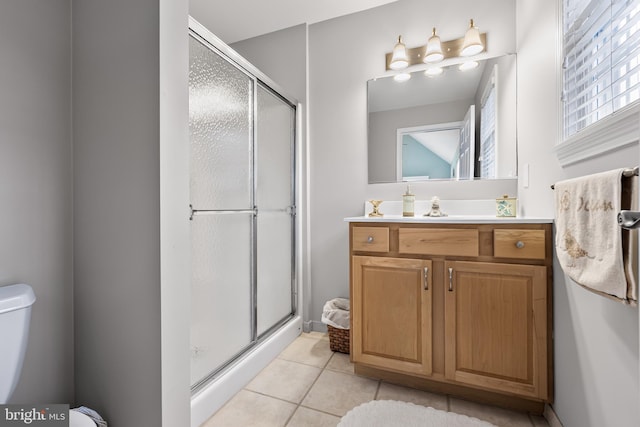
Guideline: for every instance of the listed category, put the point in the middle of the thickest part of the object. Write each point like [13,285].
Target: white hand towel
[588,238]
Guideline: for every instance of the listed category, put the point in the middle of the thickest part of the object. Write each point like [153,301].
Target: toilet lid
[77,419]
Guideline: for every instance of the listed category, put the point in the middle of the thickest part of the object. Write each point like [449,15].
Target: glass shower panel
[221,131]
[275,135]
[221,288]
[274,269]
[275,126]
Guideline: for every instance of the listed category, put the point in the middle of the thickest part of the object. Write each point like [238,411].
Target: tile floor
[308,385]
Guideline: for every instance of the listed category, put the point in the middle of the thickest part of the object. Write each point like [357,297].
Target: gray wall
[281,55]
[116,209]
[121,325]
[35,186]
[596,340]
[343,54]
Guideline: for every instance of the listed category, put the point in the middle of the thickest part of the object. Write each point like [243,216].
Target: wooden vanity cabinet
[457,308]
[392,310]
[496,326]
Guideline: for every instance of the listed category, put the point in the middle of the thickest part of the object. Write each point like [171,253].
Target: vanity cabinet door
[391,313]
[496,326]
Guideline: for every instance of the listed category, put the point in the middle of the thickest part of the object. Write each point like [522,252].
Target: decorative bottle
[408,201]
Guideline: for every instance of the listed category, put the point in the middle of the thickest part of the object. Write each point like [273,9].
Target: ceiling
[235,20]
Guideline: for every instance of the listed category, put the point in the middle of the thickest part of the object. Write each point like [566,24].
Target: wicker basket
[338,339]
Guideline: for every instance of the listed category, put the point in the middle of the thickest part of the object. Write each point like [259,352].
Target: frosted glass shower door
[223,215]
[221,289]
[242,197]
[275,130]
[221,131]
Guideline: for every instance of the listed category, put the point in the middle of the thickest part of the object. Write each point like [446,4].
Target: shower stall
[243,208]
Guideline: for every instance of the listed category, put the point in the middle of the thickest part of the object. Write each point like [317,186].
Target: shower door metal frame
[208,39]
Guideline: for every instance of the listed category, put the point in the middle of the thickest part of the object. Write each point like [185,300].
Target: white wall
[596,340]
[35,186]
[343,54]
[175,227]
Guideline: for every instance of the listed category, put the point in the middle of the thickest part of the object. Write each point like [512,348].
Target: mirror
[458,125]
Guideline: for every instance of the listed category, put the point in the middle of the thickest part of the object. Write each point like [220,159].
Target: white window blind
[488,130]
[601,66]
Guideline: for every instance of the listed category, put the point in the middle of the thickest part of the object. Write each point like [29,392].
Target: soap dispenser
[408,201]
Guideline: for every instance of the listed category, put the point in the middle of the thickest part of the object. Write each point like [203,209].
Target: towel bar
[629,219]
[626,173]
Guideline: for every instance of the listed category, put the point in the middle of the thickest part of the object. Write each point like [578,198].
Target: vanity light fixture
[472,44]
[402,77]
[399,60]
[436,50]
[468,65]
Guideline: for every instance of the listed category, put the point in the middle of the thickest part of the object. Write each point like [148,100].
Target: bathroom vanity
[457,305]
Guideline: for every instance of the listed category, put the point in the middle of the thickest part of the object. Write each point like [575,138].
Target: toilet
[15,315]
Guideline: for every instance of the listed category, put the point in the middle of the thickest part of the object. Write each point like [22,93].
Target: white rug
[391,413]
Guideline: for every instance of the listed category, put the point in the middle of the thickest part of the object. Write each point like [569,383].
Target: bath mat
[391,413]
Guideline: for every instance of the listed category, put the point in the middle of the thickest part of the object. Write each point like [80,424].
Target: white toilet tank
[15,313]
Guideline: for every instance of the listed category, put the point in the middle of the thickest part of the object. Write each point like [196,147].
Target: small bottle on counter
[408,202]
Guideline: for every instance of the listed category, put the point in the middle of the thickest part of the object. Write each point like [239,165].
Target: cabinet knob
[370,239]
[519,244]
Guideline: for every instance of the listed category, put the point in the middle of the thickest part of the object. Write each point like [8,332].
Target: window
[488,129]
[601,67]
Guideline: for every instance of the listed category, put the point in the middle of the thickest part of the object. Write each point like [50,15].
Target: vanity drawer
[519,244]
[438,241]
[370,239]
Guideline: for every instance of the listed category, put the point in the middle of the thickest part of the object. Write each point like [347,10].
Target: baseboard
[314,326]
[551,417]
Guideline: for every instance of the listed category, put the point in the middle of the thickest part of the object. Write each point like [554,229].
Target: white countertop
[455,219]
[483,212]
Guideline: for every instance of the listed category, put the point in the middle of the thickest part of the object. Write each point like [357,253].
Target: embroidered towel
[588,238]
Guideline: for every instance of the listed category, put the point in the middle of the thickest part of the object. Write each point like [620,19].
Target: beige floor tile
[252,409]
[316,335]
[305,417]
[340,362]
[285,380]
[404,394]
[498,416]
[539,421]
[337,392]
[310,351]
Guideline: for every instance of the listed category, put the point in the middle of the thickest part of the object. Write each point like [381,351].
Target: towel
[336,313]
[589,242]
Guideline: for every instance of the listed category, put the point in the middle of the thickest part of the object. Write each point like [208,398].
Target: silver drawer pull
[519,244]
[450,279]
[426,278]
[370,239]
